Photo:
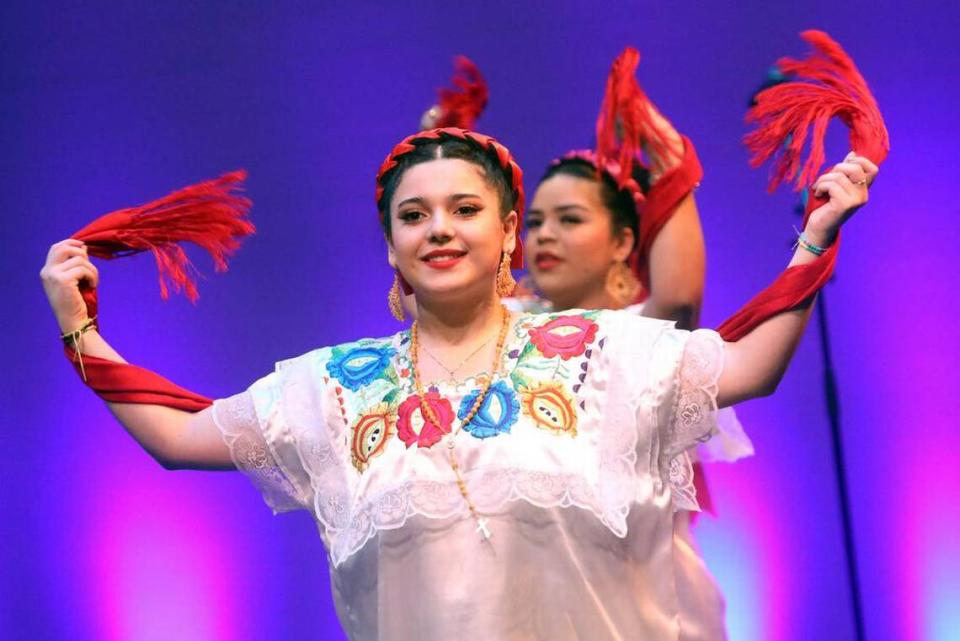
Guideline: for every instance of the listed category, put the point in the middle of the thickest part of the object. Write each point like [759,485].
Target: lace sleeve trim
[693,419]
[237,420]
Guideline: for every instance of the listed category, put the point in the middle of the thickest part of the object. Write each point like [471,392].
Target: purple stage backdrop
[106,105]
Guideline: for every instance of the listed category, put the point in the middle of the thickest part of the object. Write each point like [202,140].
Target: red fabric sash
[660,205]
[124,383]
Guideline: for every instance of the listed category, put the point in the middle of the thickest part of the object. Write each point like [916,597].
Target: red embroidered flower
[413,426]
[565,336]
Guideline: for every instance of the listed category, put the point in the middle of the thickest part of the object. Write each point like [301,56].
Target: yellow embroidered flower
[371,433]
[551,407]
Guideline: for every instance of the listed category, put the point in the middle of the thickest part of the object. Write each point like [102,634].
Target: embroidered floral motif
[550,407]
[371,433]
[360,365]
[413,427]
[565,336]
[499,411]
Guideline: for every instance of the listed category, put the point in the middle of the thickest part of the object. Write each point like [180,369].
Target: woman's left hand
[845,187]
[669,140]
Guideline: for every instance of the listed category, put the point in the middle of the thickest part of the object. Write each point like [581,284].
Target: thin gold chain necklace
[427,410]
[452,372]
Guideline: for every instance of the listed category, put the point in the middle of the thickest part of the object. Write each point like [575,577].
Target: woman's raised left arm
[755,364]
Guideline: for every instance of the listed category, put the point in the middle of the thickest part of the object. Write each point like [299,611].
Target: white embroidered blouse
[576,462]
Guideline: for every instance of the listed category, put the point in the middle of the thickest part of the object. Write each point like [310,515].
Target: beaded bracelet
[810,247]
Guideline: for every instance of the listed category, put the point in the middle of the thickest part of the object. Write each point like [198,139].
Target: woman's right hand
[67,266]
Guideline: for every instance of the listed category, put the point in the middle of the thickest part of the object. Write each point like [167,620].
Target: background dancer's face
[448,230]
[571,242]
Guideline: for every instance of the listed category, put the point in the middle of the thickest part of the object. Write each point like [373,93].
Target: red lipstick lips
[546,261]
[443,258]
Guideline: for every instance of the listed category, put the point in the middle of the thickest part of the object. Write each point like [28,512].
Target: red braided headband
[611,168]
[482,142]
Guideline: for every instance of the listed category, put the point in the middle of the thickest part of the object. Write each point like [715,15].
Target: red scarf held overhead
[212,215]
[626,129]
[827,84]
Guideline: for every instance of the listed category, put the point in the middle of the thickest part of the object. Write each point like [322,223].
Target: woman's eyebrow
[570,207]
[416,200]
[419,200]
[462,196]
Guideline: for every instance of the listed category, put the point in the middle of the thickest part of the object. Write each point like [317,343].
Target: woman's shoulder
[619,334]
[352,363]
[628,319]
[527,303]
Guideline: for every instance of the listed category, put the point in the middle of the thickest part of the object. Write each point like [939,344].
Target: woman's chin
[447,288]
[550,284]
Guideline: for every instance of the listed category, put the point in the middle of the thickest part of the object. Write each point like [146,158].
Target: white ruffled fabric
[583,526]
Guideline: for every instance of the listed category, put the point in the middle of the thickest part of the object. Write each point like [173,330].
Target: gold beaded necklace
[426,410]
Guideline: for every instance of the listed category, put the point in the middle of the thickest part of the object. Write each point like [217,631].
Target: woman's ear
[391,253]
[510,223]
[624,243]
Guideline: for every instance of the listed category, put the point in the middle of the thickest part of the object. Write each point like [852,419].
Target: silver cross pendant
[483,529]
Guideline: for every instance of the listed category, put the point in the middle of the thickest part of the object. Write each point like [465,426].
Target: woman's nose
[441,226]
[544,232]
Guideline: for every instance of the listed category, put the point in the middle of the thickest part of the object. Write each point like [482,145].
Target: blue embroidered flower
[498,413]
[360,365]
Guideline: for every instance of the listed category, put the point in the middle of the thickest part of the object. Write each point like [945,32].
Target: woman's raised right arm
[175,438]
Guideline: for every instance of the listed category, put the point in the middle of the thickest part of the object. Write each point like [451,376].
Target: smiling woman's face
[447,232]
[570,244]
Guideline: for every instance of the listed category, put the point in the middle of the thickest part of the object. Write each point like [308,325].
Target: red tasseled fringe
[626,129]
[210,214]
[625,124]
[461,107]
[828,84]
[787,116]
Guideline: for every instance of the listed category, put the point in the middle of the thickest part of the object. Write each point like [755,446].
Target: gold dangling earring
[393,299]
[505,282]
[622,285]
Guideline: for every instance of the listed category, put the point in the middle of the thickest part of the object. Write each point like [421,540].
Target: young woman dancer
[583,250]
